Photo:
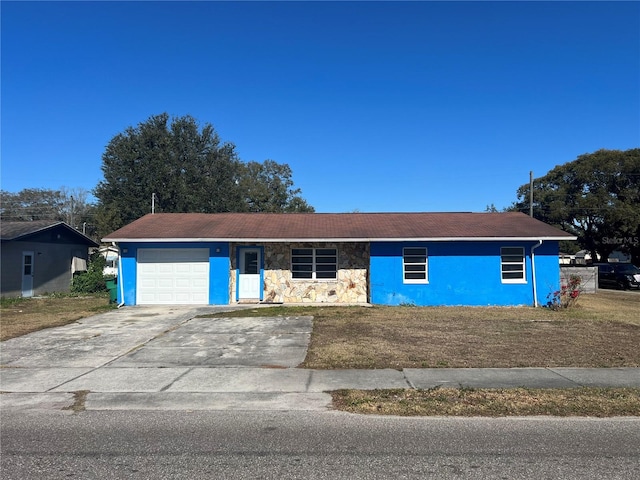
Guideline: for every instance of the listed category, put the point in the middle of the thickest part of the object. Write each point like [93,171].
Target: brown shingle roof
[13,230]
[334,226]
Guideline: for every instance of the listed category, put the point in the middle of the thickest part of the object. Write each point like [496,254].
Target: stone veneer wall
[351,285]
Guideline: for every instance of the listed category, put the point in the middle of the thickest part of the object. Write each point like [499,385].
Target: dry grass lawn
[603,330]
[592,402]
[22,316]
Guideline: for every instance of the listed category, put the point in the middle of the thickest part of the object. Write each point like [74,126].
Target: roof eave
[349,239]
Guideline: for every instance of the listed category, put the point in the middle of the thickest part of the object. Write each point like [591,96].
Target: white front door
[249,277]
[27,274]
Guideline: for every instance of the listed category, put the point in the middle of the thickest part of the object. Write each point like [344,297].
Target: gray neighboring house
[40,257]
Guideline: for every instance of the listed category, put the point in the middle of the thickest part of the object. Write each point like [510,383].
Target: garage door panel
[200,268]
[146,268]
[165,268]
[173,276]
[147,283]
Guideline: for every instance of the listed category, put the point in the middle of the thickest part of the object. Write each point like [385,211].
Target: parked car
[618,275]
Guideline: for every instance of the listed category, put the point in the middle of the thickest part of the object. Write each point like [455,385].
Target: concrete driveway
[163,337]
[140,350]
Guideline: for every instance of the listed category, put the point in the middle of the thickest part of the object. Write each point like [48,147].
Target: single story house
[380,258]
[41,257]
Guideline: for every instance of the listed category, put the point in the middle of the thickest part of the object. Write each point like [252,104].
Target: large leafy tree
[187,169]
[33,204]
[268,187]
[596,197]
[68,205]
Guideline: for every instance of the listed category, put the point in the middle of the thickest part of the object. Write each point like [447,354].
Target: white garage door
[172,276]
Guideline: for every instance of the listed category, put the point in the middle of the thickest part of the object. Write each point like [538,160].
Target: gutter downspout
[120,280]
[533,273]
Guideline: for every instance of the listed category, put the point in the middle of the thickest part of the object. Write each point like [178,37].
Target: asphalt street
[313,445]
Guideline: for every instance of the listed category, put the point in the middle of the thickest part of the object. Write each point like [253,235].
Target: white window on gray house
[314,263]
[414,265]
[512,265]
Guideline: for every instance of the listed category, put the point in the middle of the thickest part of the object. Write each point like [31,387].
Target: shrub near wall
[93,280]
[588,277]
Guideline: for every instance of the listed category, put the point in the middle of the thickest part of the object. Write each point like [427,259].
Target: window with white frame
[314,263]
[414,265]
[512,265]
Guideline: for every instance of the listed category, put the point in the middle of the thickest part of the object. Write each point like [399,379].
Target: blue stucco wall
[218,269]
[461,273]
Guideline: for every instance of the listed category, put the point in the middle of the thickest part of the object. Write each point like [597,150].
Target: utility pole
[153,203]
[531,193]
[71,217]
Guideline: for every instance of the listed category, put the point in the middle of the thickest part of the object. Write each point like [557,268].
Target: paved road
[313,445]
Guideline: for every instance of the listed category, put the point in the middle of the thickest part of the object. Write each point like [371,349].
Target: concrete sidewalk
[168,358]
[247,388]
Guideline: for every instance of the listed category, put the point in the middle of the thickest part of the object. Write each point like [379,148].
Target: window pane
[415,260]
[325,275]
[326,251]
[301,260]
[326,260]
[512,275]
[415,276]
[310,263]
[301,274]
[303,268]
[512,263]
[415,268]
[251,263]
[512,251]
[512,259]
[325,268]
[512,268]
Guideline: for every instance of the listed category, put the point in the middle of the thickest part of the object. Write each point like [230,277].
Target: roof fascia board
[345,240]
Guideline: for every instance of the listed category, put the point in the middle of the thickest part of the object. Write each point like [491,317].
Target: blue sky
[376,106]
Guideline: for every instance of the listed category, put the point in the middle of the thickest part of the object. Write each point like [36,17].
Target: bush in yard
[567,296]
[93,280]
